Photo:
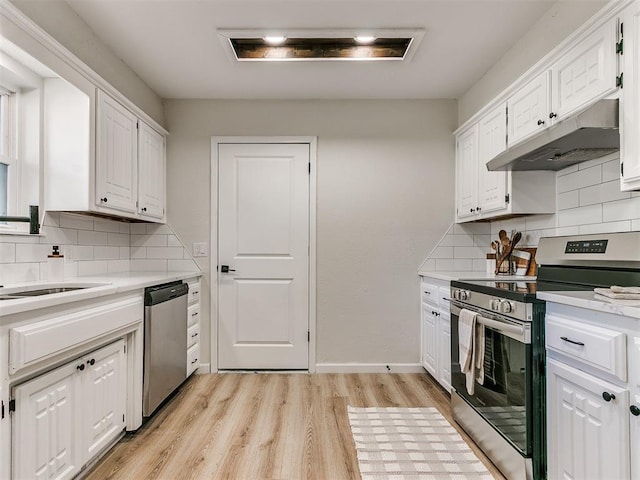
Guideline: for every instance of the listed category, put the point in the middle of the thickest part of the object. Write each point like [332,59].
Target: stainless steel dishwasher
[165,343]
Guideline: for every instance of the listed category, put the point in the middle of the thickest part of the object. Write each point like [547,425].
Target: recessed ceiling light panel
[320,45]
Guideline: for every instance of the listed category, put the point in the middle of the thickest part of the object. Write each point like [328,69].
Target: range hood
[589,134]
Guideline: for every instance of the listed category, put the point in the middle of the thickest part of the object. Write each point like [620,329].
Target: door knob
[226,269]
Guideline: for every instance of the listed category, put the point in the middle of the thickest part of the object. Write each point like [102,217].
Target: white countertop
[106,284]
[586,299]
[448,276]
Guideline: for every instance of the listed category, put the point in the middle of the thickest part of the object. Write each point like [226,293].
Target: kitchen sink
[15,294]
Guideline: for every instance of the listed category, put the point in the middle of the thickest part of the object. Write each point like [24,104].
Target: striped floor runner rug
[413,444]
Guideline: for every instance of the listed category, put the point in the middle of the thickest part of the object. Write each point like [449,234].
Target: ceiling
[176,48]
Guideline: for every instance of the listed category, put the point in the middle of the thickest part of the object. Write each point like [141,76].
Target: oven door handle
[501,327]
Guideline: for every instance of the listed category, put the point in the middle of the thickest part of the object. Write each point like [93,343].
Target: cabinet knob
[472,210]
[553,115]
[80,367]
[104,199]
[478,209]
[608,396]
[91,362]
[540,122]
[144,209]
[635,411]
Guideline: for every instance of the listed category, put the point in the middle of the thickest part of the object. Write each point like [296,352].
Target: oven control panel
[586,246]
[473,300]
[502,306]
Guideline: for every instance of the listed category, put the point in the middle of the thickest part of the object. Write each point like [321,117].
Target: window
[8,150]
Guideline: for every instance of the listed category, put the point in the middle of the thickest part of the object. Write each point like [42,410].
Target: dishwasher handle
[163,293]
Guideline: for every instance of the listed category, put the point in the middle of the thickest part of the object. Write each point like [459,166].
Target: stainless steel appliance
[165,343]
[591,133]
[506,414]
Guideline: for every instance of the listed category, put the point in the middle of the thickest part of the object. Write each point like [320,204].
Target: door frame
[213,254]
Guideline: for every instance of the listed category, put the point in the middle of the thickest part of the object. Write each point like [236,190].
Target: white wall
[554,26]
[385,174]
[62,23]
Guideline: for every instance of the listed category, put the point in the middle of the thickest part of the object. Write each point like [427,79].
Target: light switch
[201,249]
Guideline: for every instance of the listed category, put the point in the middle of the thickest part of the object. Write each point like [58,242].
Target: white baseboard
[203,369]
[369,368]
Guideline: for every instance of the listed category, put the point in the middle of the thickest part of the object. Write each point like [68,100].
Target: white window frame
[9,152]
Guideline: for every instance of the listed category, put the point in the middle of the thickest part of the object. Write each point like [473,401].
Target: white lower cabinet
[65,417]
[593,394]
[588,435]
[193,326]
[435,352]
[45,439]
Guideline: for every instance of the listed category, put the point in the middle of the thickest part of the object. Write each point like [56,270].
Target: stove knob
[506,306]
[464,295]
[495,305]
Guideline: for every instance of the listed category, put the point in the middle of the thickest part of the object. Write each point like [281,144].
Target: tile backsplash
[588,200]
[92,246]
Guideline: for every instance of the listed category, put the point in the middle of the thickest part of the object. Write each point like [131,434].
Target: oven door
[504,399]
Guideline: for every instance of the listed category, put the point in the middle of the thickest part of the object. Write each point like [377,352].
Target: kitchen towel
[618,301]
[466,341]
[626,293]
[478,352]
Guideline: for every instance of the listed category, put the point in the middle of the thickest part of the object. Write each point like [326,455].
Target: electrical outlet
[201,249]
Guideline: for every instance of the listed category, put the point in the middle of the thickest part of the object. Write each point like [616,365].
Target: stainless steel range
[504,411]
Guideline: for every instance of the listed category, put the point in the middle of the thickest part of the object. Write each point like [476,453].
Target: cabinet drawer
[193,314]
[193,335]
[444,294]
[194,292]
[29,344]
[598,347]
[429,293]
[193,358]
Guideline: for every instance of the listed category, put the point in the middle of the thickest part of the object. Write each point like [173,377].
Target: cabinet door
[630,100]
[528,109]
[429,340]
[151,172]
[492,140]
[44,427]
[444,350]
[103,387]
[587,437]
[116,156]
[467,174]
[585,73]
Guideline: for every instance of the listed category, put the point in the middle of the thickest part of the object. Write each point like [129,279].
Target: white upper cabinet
[630,98]
[582,74]
[481,194]
[100,157]
[116,156]
[151,172]
[585,72]
[467,173]
[492,140]
[529,109]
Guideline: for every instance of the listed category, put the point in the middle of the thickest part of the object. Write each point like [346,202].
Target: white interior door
[263,239]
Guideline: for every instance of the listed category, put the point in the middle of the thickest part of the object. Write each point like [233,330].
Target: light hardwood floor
[264,426]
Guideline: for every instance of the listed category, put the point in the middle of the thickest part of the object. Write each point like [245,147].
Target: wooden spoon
[504,239]
[508,249]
